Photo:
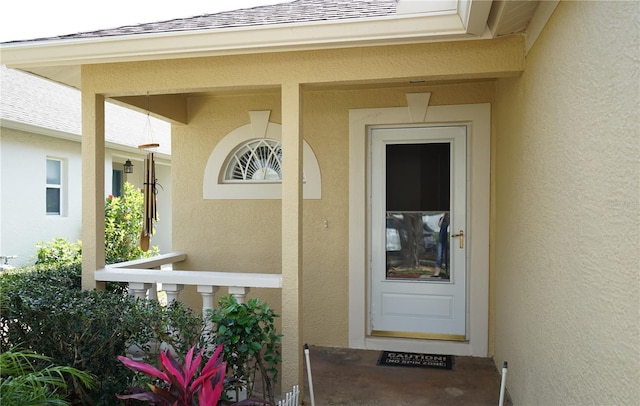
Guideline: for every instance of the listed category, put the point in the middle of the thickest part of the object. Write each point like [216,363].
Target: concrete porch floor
[351,377]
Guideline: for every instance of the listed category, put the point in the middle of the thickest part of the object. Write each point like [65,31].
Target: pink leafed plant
[186,385]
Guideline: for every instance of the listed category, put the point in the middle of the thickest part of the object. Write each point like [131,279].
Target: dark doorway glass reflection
[417,205]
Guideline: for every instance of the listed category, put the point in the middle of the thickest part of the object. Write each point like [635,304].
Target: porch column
[292,364]
[92,187]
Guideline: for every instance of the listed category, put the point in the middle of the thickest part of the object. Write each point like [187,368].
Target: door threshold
[421,336]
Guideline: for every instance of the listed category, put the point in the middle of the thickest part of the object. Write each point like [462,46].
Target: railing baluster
[207,292]
[139,289]
[173,290]
[239,292]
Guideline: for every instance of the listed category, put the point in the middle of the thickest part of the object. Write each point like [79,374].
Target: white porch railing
[143,274]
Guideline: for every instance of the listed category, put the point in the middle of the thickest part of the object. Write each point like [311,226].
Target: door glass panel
[417,211]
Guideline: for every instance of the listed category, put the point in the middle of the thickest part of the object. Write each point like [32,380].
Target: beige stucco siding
[435,61]
[219,92]
[245,235]
[222,235]
[564,288]
[326,261]
[212,96]
[566,254]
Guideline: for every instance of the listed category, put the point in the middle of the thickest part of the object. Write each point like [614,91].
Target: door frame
[477,118]
[439,303]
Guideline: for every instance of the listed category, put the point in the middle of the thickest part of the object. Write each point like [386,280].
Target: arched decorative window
[256,160]
[247,164]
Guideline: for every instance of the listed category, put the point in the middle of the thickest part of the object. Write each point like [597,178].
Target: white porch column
[92,187]
[292,364]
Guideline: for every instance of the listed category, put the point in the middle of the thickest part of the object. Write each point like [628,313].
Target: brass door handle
[461,235]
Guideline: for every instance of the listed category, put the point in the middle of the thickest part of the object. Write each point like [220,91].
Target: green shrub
[123,226]
[175,325]
[123,220]
[27,378]
[251,345]
[75,328]
[43,309]
[59,251]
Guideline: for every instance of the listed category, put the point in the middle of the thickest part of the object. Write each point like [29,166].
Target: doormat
[409,359]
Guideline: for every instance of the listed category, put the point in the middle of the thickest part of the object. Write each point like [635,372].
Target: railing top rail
[153,262]
[113,273]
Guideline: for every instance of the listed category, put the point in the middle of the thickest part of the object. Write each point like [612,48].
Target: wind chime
[149,190]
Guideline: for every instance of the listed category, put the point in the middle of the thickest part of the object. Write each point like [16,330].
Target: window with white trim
[117,182]
[247,164]
[54,191]
[256,160]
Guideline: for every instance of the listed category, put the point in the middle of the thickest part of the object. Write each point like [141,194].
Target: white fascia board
[410,28]
[474,15]
[425,6]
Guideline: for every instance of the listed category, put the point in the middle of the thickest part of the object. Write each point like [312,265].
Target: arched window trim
[257,160]
[214,185]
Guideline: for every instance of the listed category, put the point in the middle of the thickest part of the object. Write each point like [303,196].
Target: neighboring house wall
[23,218]
[566,254]
[40,120]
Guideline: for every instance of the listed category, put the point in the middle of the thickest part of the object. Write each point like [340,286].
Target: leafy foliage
[81,329]
[175,325]
[123,225]
[27,378]
[123,220]
[59,251]
[251,345]
[182,385]
[43,309]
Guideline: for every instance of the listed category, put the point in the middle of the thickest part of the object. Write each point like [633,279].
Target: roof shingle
[32,101]
[299,11]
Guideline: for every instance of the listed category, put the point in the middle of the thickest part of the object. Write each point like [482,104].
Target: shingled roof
[294,12]
[30,102]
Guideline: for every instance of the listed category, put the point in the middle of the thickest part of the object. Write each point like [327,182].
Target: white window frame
[60,187]
[255,161]
[214,185]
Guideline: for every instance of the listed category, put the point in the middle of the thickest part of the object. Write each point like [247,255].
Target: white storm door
[418,266]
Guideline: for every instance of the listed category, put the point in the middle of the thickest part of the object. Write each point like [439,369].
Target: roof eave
[272,38]
[68,136]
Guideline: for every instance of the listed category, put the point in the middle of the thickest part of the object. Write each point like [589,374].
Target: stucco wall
[566,226]
[23,218]
[245,235]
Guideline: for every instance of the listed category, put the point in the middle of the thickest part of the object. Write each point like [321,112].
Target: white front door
[418,200]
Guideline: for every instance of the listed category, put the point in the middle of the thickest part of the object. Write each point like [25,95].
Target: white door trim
[477,117]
